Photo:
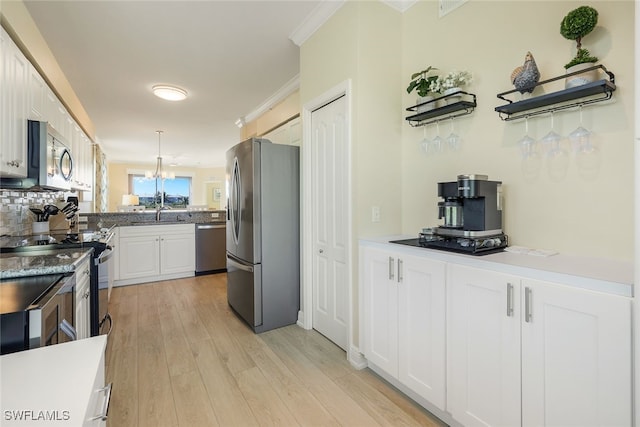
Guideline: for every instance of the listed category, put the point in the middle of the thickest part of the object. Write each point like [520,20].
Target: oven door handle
[104,256]
[68,329]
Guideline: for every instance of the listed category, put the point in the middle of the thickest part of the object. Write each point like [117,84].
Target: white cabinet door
[483,347]
[139,256]
[14,111]
[177,253]
[37,95]
[421,328]
[381,309]
[83,307]
[576,357]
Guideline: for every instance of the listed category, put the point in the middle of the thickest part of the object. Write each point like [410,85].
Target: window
[177,191]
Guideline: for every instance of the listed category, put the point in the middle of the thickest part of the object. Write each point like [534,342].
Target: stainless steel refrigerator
[263,233]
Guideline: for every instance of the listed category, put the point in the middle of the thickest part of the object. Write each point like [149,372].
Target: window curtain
[102,185]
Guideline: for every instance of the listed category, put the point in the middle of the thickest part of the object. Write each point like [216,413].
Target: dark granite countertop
[50,261]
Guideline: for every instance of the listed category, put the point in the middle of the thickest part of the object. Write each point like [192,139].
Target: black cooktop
[19,293]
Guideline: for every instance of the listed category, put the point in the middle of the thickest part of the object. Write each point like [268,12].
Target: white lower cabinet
[576,357]
[483,347]
[83,305]
[404,320]
[531,353]
[155,252]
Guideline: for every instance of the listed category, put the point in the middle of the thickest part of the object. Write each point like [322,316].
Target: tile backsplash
[15,216]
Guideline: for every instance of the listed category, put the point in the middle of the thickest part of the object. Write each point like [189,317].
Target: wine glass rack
[465,106]
[589,93]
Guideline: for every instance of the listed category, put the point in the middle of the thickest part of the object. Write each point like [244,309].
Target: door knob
[321,251]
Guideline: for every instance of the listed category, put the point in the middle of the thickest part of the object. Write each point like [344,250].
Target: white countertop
[57,378]
[598,274]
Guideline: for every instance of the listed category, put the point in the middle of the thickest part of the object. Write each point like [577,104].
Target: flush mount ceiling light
[170,93]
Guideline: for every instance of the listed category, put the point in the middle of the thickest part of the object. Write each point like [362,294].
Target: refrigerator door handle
[231,260]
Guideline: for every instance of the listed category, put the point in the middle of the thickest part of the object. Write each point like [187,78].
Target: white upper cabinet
[289,133]
[14,81]
[37,95]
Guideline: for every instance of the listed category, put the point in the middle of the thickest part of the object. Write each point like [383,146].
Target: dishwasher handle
[210,226]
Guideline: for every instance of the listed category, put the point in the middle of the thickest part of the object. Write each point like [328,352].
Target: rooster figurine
[526,76]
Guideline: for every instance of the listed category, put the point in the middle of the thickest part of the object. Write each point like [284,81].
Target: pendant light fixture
[159,172]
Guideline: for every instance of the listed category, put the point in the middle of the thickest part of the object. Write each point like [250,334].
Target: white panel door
[380,294]
[329,266]
[576,357]
[483,347]
[421,327]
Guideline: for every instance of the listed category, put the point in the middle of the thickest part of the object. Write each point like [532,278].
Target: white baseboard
[356,358]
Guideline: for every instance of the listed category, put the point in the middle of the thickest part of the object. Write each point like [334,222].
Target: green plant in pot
[577,24]
[424,85]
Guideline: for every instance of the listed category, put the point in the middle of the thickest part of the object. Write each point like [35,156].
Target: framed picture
[217,194]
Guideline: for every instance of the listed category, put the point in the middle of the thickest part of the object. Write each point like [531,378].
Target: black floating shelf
[449,111]
[589,93]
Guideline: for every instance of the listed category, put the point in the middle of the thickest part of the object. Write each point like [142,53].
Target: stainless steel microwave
[50,162]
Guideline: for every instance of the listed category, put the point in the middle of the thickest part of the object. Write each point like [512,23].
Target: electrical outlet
[215,215]
[375,214]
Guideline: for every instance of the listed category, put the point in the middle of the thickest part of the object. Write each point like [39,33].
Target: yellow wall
[202,178]
[589,211]
[280,113]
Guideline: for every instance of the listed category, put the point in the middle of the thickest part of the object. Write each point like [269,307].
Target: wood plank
[302,404]
[179,357]
[263,399]
[192,402]
[123,373]
[228,403]
[155,398]
[327,392]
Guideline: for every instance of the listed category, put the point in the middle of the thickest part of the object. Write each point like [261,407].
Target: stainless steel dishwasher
[211,248]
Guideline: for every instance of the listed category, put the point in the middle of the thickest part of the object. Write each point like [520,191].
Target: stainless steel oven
[36,311]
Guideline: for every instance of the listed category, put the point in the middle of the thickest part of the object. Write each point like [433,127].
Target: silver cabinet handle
[105,404]
[391,261]
[509,300]
[399,270]
[528,315]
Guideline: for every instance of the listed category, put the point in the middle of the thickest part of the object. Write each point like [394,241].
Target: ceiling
[230,56]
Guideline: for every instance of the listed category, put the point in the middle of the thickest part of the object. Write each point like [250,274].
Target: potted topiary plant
[577,24]
[424,85]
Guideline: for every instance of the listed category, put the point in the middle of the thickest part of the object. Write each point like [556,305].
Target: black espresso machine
[472,212]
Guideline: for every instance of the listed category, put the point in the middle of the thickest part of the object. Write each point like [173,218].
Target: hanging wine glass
[437,142]
[424,143]
[580,137]
[551,141]
[453,140]
[528,145]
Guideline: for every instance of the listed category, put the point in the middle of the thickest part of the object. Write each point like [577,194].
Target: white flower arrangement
[451,80]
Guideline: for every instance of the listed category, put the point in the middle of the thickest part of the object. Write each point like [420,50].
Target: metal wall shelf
[449,111]
[589,93]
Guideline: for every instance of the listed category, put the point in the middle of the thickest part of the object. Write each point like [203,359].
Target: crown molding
[286,90]
[400,5]
[318,16]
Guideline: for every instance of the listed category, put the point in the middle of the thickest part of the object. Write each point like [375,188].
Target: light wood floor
[178,356]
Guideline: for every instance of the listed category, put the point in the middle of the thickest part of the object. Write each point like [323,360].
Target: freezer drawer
[211,248]
[244,290]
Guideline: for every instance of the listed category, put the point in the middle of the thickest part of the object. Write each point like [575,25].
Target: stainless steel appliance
[263,240]
[472,214]
[101,281]
[49,161]
[211,248]
[36,311]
